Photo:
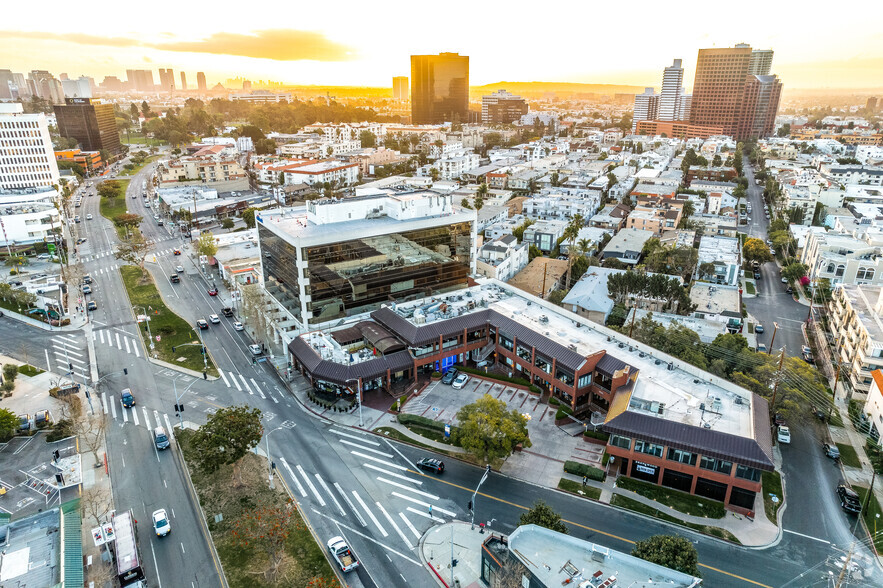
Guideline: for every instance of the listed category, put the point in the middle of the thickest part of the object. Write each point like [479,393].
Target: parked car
[789,290]
[806,353]
[778,419]
[24,423]
[448,378]
[784,435]
[784,280]
[213,292]
[42,419]
[436,466]
[161,523]
[87,289]
[849,499]
[238,326]
[255,349]
[92,305]
[758,328]
[127,398]
[460,381]
[831,451]
[202,324]
[215,319]
[761,348]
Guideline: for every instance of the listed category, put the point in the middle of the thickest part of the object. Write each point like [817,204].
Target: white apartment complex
[320,148]
[27,159]
[28,215]
[844,259]
[331,171]
[560,207]
[502,258]
[858,330]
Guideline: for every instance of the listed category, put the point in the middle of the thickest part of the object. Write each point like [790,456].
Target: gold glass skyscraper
[439,88]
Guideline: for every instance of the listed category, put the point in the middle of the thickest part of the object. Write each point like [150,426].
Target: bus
[128,556]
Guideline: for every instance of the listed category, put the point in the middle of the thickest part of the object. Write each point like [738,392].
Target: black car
[227,311]
[202,324]
[849,500]
[92,305]
[436,466]
[448,378]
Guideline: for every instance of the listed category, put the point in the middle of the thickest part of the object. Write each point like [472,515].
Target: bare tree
[89,429]
[96,504]
[254,306]
[510,574]
[133,250]
[268,527]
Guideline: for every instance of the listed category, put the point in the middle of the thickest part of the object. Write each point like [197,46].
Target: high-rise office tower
[44,85]
[672,89]
[183,82]
[200,81]
[21,86]
[246,85]
[761,62]
[140,80]
[501,107]
[439,88]
[400,88]
[870,105]
[684,102]
[646,107]
[91,123]
[166,80]
[727,96]
[6,82]
[78,88]
[28,134]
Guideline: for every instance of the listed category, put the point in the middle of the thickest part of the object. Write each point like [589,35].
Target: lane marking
[393,474]
[310,484]
[377,451]
[410,525]
[394,525]
[350,504]
[357,438]
[370,514]
[223,377]
[300,488]
[378,460]
[806,536]
[333,497]
[235,381]
[424,504]
[409,489]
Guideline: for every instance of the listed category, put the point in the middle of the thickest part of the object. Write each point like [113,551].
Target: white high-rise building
[27,159]
[646,107]
[761,62]
[684,102]
[78,88]
[672,88]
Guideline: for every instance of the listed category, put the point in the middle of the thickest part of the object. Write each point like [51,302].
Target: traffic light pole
[179,408]
[487,470]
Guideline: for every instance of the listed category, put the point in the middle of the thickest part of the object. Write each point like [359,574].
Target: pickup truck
[344,556]
[227,311]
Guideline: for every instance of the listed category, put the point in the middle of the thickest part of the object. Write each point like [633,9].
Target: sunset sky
[366,43]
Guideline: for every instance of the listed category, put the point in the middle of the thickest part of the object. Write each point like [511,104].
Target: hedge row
[563,411]
[601,435]
[414,419]
[581,469]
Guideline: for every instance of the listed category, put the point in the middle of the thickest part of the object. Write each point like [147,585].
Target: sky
[359,43]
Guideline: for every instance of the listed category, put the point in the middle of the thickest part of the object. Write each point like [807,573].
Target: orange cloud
[275,44]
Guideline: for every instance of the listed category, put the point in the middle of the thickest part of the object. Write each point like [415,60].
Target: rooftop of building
[716,299]
[714,248]
[628,240]
[556,559]
[321,167]
[32,550]
[864,301]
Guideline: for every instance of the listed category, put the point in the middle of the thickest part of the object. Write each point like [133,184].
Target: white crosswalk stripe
[135,417]
[125,413]
[310,485]
[101,336]
[376,451]
[351,505]
[256,387]
[340,433]
[370,514]
[410,525]
[244,383]
[63,358]
[135,348]
[300,488]
[169,428]
[333,497]
[126,341]
[393,474]
[425,515]
[378,460]
[223,377]
[119,346]
[235,381]
[104,403]
[394,525]
[113,409]
[422,503]
[408,488]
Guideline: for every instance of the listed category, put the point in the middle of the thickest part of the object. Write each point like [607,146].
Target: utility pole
[634,314]
[776,390]
[840,577]
[773,340]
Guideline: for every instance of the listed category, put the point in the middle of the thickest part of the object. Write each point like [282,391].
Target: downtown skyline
[341,52]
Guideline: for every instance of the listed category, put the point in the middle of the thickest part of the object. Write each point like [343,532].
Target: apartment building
[612,217]
[501,107]
[502,258]
[724,254]
[544,234]
[561,206]
[627,245]
[28,215]
[858,331]
[210,169]
[843,258]
[26,156]
[331,171]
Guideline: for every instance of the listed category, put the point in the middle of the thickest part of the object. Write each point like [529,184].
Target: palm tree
[571,234]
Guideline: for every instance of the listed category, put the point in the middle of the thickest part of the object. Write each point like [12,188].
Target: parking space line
[310,484]
[370,514]
[394,525]
[410,525]
[333,497]
[300,488]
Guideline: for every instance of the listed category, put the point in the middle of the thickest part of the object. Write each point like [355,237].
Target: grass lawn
[137,168]
[633,505]
[29,370]
[172,329]
[749,288]
[304,560]
[680,501]
[870,515]
[138,138]
[848,455]
[579,489]
[771,484]
[111,207]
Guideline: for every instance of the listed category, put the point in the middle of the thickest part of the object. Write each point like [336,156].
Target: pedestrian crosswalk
[69,355]
[400,516]
[112,338]
[252,388]
[138,415]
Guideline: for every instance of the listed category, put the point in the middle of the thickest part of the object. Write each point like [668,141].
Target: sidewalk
[453,541]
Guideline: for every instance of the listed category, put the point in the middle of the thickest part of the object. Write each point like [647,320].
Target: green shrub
[61,430]
[601,435]
[563,411]
[605,459]
[581,469]
[554,401]
[420,421]
[436,374]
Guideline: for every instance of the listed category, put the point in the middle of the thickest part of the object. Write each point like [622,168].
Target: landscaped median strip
[171,329]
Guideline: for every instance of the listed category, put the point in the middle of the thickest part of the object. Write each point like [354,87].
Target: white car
[214,318]
[255,349]
[460,381]
[88,217]
[784,435]
[161,523]
[238,326]
[179,269]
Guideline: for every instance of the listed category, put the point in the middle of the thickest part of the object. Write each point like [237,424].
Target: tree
[368,139]
[269,528]
[689,209]
[206,244]
[88,429]
[716,160]
[554,179]
[130,221]
[8,424]
[226,437]
[793,272]
[465,203]
[677,553]
[133,111]
[533,252]
[95,504]
[488,431]
[756,250]
[248,217]
[133,249]
[145,109]
[541,514]
[110,189]
[434,174]
[15,262]
[227,223]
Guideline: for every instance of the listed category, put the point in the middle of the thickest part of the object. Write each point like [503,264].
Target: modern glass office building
[333,259]
[439,88]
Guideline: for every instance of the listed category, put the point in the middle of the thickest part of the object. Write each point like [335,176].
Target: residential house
[590,298]
[612,216]
[725,254]
[718,302]
[844,259]
[544,234]
[858,330]
[502,258]
[627,245]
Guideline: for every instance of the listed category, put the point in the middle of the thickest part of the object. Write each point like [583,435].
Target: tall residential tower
[400,88]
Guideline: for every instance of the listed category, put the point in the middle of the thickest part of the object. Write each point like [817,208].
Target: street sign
[109,534]
[98,536]
[157,338]
[447,430]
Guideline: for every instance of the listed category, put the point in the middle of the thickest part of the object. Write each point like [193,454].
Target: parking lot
[543,462]
[28,474]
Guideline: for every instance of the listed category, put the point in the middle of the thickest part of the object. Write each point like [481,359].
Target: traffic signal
[203,349]
[179,408]
[470,506]
[56,454]
[70,366]
[125,371]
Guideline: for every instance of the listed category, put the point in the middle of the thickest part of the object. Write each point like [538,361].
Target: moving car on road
[758,328]
[227,311]
[92,305]
[161,523]
[202,324]
[255,349]
[213,292]
[215,319]
[179,269]
[342,554]
[436,466]
[238,326]
[127,399]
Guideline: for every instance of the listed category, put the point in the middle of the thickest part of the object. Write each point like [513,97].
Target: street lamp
[270,461]
[146,322]
[487,470]
[358,395]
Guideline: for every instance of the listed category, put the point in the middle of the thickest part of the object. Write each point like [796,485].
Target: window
[544,364]
[648,448]
[585,380]
[840,269]
[620,441]
[747,473]
[564,376]
[506,342]
[682,456]
[865,273]
[524,353]
[717,465]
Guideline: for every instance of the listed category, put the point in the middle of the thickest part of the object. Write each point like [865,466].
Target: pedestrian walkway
[454,542]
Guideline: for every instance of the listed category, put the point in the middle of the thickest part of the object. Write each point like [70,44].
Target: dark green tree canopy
[677,553]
